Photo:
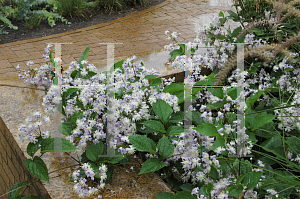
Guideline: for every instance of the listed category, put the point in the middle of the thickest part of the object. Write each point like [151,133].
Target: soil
[93,17]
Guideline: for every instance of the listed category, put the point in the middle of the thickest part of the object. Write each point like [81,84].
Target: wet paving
[142,35]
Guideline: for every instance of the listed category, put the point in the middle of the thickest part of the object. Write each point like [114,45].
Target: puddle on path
[220,3]
[206,19]
[212,3]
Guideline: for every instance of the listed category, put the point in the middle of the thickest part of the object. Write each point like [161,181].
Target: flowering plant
[148,120]
[43,76]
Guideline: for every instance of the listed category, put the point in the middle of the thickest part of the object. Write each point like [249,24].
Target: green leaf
[165,147]
[221,15]
[75,116]
[260,107]
[81,175]
[83,157]
[33,148]
[165,195]
[219,142]
[216,105]
[202,191]
[182,47]
[174,87]
[180,96]
[66,128]
[118,65]
[197,118]
[84,56]
[185,195]
[155,82]
[240,178]
[187,187]
[253,98]
[109,173]
[53,143]
[236,31]
[151,165]
[156,125]
[285,176]
[146,130]
[232,92]
[177,117]
[91,73]
[94,151]
[196,90]
[293,144]
[207,129]
[175,130]
[251,179]
[95,169]
[142,143]
[231,116]
[52,58]
[38,168]
[31,197]
[245,167]
[209,81]
[176,53]
[235,190]
[220,37]
[16,193]
[261,119]
[209,187]
[213,173]
[69,91]
[163,110]
[150,76]
[274,145]
[93,115]
[73,74]
[218,92]
[66,93]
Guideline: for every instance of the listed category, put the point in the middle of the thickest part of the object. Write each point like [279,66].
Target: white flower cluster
[81,188]
[29,132]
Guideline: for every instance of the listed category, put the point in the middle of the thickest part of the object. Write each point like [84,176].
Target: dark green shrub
[111,5]
[33,21]
[71,8]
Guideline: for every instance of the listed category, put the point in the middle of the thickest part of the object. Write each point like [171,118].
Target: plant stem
[19,188]
[232,170]
[64,168]
[23,192]
[73,157]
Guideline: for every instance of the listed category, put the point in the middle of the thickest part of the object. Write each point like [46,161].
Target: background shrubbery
[32,12]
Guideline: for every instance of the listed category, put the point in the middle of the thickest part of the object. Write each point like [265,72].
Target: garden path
[142,32]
